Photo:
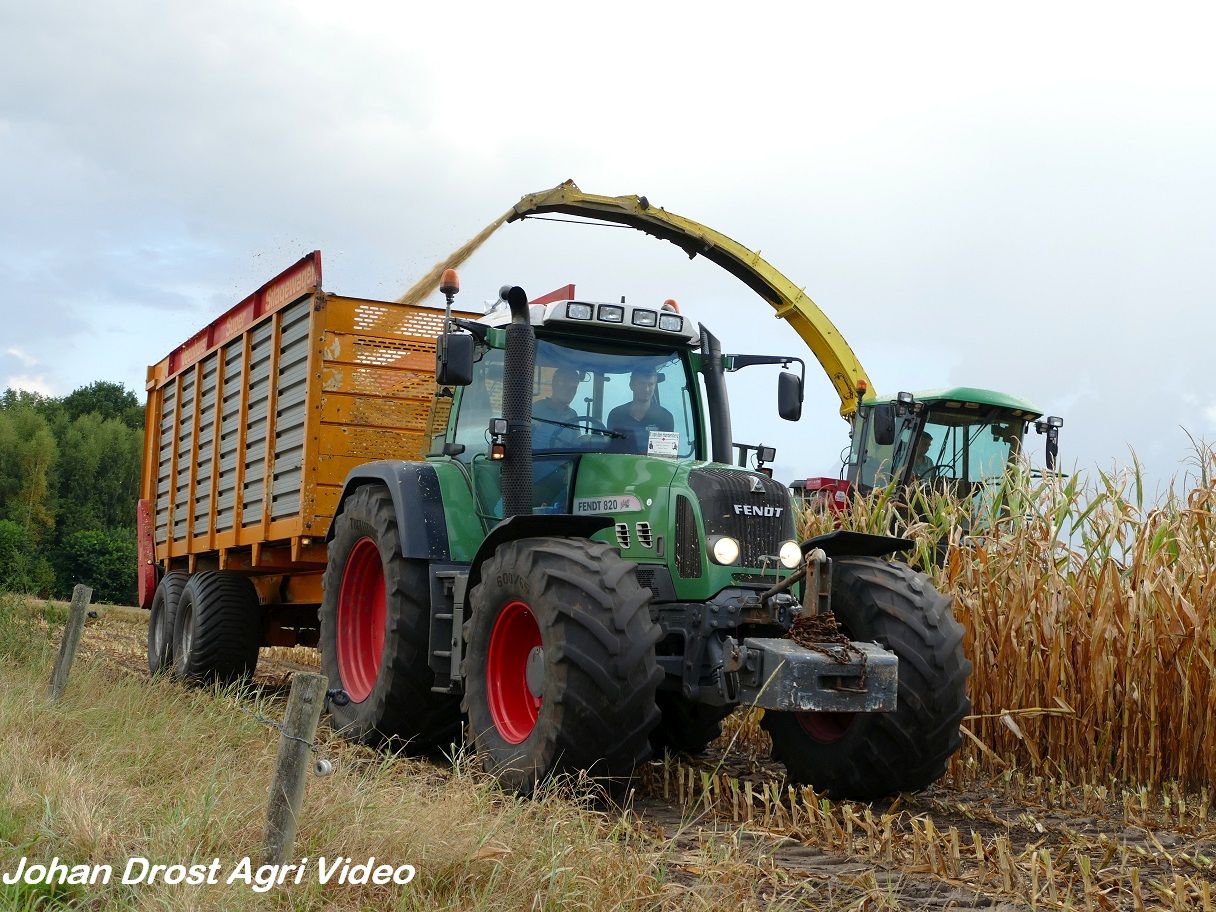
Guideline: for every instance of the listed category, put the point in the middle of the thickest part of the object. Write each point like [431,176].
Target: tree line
[69,481]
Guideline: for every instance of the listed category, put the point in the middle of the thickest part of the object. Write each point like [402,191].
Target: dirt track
[974,841]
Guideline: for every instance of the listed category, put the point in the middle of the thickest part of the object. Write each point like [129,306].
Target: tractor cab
[961,439]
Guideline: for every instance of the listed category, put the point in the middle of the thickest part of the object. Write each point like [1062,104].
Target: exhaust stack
[517,404]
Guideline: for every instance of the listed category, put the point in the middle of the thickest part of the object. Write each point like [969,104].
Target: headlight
[790,555]
[725,550]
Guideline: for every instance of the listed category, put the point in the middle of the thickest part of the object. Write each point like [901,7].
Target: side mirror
[789,395]
[884,424]
[454,360]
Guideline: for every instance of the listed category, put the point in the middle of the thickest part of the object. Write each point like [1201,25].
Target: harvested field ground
[719,831]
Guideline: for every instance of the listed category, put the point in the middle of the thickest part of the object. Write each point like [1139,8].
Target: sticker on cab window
[663,443]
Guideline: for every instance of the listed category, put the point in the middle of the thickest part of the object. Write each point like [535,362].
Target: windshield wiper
[578,427]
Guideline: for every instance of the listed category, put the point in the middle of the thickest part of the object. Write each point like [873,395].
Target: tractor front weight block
[778,674]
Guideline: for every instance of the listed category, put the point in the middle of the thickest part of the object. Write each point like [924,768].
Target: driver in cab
[556,408]
[636,419]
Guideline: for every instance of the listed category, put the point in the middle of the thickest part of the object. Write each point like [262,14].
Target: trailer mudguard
[414,487]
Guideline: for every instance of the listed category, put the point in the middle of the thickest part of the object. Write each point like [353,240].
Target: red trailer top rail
[289,285]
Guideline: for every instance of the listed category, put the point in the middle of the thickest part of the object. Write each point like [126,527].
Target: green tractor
[579,573]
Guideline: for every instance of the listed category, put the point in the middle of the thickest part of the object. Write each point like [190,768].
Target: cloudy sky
[1022,198]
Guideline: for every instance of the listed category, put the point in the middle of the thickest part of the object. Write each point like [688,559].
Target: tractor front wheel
[560,670]
[867,756]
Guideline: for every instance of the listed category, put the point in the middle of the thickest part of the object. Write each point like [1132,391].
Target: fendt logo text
[748,510]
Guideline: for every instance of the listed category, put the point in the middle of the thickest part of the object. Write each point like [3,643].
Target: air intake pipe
[517,404]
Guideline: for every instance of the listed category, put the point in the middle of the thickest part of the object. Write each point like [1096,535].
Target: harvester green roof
[974,394]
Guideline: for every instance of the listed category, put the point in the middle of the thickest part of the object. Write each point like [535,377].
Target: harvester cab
[961,439]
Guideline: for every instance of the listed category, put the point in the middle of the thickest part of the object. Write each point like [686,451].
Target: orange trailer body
[253,424]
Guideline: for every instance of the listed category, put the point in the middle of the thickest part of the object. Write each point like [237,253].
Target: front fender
[417,500]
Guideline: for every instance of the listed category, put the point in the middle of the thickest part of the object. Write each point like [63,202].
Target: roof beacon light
[450,283]
[671,304]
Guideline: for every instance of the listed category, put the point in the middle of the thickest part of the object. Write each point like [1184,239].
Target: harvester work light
[612,313]
[645,318]
[576,311]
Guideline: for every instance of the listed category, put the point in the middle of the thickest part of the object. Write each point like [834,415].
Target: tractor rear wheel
[560,671]
[687,727]
[161,619]
[868,756]
[375,632]
[217,628]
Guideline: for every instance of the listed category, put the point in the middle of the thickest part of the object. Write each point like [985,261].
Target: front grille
[762,521]
[688,542]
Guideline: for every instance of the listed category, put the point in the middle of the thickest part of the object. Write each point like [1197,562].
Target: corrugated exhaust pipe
[517,404]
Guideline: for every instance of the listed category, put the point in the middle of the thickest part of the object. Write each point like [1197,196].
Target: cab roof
[972,394]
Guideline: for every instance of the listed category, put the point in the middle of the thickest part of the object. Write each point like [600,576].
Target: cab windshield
[590,397]
[961,446]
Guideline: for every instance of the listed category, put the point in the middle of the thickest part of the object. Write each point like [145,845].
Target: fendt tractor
[526,525]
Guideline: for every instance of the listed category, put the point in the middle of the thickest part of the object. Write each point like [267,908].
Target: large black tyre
[686,727]
[217,629]
[564,617]
[161,620]
[867,756]
[375,633]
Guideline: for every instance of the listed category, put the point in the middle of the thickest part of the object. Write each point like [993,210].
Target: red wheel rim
[513,705]
[825,727]
[361,620]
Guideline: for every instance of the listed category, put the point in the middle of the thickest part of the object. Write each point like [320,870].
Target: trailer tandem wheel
[217,629]
[161,621]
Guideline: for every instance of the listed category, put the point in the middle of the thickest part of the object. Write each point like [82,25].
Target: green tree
[98,474]
[27,458]
[106,561]
[22,567]
[106,399]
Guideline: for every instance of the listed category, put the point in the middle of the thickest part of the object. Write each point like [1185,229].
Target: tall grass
[1090,616]
[125,766]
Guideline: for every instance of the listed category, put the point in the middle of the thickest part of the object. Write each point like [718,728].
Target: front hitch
[778,674]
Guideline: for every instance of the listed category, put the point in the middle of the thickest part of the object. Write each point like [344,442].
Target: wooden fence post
[304,705]
[81,596]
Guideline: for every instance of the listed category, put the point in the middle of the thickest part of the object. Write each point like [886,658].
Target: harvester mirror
[454,360]
[789,396]
[884,424]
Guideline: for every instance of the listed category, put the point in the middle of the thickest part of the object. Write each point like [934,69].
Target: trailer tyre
[217,628]
[161,620]
[867,756]
[560,670]
[375,632]
[687,727]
